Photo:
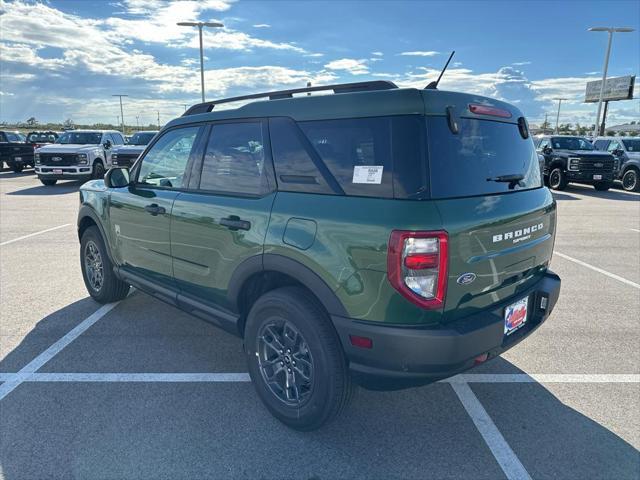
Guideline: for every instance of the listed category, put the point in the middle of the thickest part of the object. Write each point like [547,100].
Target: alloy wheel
[93,266]
[285,362]
[630,180]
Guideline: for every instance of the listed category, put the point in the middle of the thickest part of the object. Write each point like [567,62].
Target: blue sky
[64,59]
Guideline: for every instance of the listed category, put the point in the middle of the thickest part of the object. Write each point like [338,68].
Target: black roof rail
[338,88]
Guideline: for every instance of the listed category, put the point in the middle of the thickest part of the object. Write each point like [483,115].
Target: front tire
[602,186]
[49,182]
[98,170]
[558,179]
[17,168]
[97,269]
[296,360]
[630,180]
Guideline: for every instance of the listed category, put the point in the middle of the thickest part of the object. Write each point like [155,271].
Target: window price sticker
[368,174]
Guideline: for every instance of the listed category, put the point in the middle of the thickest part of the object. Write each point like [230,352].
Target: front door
[141,213]
[224,222]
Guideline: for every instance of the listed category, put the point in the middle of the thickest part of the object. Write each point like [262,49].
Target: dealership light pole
[558,115]
[610,30]
[121,112]
[200,25]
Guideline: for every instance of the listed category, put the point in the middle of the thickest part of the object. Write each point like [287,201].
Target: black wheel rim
[554,179]
[99,171]
[629,180]
[285,362]
[93,266]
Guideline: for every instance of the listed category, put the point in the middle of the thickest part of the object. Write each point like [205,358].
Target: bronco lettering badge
[518,235]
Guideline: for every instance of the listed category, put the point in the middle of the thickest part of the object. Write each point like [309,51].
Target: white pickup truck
[76,155]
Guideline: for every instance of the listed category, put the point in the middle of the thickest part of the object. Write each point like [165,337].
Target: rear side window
[234,160]
[357,152]
[468,163]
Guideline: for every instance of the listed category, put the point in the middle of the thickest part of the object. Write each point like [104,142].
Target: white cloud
[314,55]
[377,54]
[420,53]
[262,25]
[518,64]
[350,65]
[6,94]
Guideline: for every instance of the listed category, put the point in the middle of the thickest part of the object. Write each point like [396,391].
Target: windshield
[80,138]
[141,138]
[476,159]
[571,143]
[14,137]
[632,145]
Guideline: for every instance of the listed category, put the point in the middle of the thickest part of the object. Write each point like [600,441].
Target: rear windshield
[41,137]
[473,161]
[141,138]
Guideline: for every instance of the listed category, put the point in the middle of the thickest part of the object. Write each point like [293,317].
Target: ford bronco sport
[382,236]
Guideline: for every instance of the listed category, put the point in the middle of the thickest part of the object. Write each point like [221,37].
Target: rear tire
[97,269]
[558,179]
[602,186]
[296,360]
[48,181]
[631,180]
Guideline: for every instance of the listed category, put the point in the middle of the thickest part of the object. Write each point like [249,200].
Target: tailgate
[506,241]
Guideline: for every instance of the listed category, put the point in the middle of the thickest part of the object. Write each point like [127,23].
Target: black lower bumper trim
[403,357]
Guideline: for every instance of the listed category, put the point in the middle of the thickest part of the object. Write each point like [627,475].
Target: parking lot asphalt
[145,391]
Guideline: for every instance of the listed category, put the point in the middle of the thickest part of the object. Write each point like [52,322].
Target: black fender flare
[287,266]
[87,211]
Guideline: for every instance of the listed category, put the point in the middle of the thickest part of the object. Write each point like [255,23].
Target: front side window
[543,144]
[117,139]
[14,137]
[234,160]
[165,163]
[601,144]
[478,159]
[571,143]
[613,146]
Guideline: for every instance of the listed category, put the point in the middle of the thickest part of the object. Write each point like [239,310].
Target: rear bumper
[404,357]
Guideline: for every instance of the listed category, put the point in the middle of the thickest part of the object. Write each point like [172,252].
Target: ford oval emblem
[466,278]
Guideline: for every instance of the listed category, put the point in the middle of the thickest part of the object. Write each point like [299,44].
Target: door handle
[154,209]
[235,223]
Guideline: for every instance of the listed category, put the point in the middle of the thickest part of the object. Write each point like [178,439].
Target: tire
[49,182]
[95,264]
[271,354]
[631,180]
[602,186]
[98,170]
[558,179]
[17,168]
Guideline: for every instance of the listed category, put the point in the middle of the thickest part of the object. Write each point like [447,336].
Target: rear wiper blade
[512,180]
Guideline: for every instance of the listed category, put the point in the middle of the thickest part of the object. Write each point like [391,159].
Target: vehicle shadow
[609,194]
[221,430]
[7,173]
[563,196]
[57,189]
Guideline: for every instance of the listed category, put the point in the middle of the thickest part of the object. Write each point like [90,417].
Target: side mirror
[107,144]
[117,178]
[546,150]
[618,152]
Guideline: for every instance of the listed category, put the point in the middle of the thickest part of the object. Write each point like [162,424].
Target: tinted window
[296,170]
[141,138]
[117,139]
[613,146]
[234,160]
[14,137]
[571,143]
[601,144]
[165,164]
[462,164]
[632,145]
[357,152]
[80,138]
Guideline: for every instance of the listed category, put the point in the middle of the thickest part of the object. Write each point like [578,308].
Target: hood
[130,149]
[583,153]
[67,148]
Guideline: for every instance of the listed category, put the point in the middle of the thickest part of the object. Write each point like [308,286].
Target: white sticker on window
[367,174]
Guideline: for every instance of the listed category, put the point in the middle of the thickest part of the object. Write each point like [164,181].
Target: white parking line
[244,377]
[29,369]
[635,230]
[34,234]
[599,270]
[506,458]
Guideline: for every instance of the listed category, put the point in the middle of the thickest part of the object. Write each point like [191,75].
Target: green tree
[32,122]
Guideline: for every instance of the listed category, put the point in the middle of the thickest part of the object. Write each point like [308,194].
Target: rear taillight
[487,110]
[417,266]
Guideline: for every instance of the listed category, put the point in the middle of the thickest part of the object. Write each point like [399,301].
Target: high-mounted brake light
[486,110]
[417,264]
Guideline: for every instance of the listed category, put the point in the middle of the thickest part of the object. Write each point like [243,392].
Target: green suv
[382,236]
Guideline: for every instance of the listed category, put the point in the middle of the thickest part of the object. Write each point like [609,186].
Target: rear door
[501,232]
[223,220]
[140,214]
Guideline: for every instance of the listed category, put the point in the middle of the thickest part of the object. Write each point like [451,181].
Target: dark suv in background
[574,159]
[125,155]
[382,236]
[627,153]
